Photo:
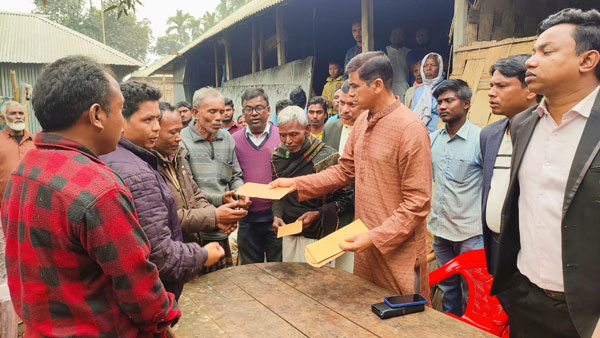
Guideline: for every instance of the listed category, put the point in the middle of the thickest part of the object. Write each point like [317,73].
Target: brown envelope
[327,248]
[289,229]
[262,191]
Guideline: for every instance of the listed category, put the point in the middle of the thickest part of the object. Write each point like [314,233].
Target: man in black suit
[336,133]
[549,255]
[509,96]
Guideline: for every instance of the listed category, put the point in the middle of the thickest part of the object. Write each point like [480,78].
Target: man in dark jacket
[335,134]
[176,261]
[193,209]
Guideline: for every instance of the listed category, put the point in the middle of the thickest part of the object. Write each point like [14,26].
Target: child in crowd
[334,80]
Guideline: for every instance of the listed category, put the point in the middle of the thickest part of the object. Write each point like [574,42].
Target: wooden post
[368,39]
[261,46]
[16,89]
[254,46]
[28,90]
[216,48]
[459,23]
[227,59]
[280,29]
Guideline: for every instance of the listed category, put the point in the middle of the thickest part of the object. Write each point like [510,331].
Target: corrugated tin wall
[26,73]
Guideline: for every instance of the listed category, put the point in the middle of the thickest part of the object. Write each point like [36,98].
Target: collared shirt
[346,129]
[542,182]
[77,259]
[457,177]
[499,184]
[258,140]
[234,128]
[11,153]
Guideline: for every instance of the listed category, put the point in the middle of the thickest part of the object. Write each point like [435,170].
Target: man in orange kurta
[15,141]
[388,157]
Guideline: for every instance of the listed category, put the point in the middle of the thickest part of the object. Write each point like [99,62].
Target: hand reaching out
[277,222]
[308,218]
[215,251]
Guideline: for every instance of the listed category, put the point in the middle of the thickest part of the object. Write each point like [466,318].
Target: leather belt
[556,295]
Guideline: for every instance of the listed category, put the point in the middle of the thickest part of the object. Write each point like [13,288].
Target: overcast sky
[157,11]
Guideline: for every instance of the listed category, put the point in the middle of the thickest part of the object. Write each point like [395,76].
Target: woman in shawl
[300,154]
[423,103]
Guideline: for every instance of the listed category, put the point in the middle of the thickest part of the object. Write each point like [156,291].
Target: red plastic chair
[483,311]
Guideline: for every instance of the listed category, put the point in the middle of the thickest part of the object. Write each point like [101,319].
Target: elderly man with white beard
[15,141]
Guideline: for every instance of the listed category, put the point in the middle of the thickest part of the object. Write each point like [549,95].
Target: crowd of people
[123,198]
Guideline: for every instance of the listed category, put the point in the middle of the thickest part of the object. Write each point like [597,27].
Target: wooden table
[297,300]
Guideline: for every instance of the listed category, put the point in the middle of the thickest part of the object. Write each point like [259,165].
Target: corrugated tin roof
[240,14]
[31,38]
[152,68]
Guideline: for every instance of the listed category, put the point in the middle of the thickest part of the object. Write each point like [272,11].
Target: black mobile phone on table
[405,300]
[384,311]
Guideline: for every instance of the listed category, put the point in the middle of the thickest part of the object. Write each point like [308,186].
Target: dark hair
[298,97]
[183,104]
[251,93]
[587,28]
[372,66]
[512,66]
[68,87]
[318,100]
[337,63]
[239,118]
[136,92]
[460,87]
[345,87]
[162,106]
[229,102]
[282,104]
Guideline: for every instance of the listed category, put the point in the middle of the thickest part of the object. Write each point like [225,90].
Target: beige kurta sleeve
[331,179]
[414,165]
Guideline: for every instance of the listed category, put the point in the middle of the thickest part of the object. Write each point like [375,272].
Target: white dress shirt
[542,181]
[258,140]
[346,129]
[499,185]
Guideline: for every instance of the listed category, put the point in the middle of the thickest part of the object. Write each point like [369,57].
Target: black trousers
[503,297]
[535,314]
[257,241]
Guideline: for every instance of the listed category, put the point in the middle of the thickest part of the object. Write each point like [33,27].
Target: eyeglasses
[258,109]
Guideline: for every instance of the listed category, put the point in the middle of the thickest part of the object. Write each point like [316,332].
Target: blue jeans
[444,251]
[257,240]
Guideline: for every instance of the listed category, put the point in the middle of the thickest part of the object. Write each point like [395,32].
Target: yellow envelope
[289,229]
[262,191]
[327,248]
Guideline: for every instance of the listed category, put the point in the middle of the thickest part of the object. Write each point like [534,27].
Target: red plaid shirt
[76,256]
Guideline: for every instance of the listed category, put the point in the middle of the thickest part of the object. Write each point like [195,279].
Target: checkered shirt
[76,256]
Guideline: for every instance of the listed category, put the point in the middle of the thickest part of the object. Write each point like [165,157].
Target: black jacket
[580,226]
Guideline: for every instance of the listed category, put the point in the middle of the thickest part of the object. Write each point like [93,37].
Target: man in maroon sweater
[253,147]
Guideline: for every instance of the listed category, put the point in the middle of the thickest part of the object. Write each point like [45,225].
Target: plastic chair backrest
[483,311]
